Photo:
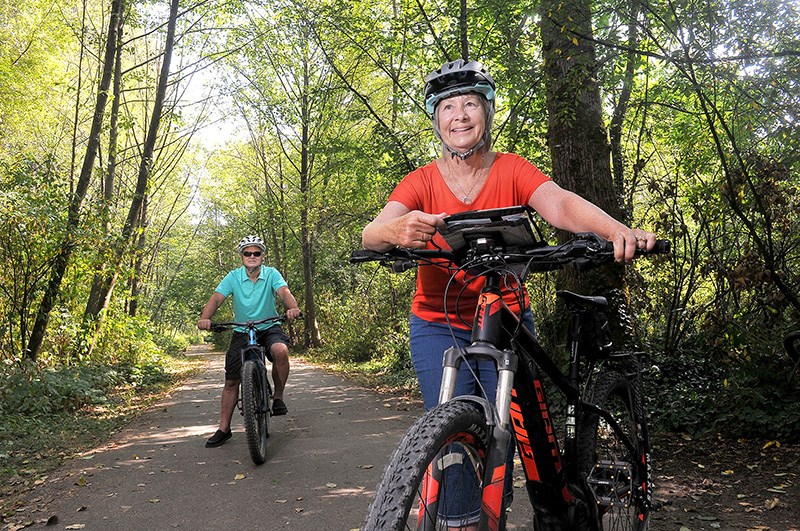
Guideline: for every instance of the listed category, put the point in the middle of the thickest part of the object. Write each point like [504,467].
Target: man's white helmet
[252,241]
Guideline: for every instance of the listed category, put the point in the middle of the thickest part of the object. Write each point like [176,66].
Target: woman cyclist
[469,175]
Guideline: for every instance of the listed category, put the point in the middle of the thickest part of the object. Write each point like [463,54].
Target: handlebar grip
[364,255]
[661,247]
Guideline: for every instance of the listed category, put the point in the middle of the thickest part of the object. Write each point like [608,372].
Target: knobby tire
[256,414]
[618,478]
[448,434]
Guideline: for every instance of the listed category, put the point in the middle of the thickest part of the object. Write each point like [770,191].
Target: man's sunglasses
[248,254]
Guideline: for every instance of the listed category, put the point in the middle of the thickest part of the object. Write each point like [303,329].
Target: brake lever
[400,265]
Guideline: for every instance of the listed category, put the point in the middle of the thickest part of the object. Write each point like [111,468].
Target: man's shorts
[266,338]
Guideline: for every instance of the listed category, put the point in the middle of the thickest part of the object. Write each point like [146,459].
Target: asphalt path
[324,460]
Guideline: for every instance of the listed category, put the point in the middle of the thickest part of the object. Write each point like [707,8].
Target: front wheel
[618,478]
[255,410]
[434,480]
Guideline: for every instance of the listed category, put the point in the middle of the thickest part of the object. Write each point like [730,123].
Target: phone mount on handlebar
[510,229]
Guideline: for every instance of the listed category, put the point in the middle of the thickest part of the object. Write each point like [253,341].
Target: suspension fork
[486,333]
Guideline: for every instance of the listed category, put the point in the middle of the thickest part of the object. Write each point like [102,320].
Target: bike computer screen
[510,227]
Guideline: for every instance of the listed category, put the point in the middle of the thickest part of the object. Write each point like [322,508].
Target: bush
[30,390]
[753,400]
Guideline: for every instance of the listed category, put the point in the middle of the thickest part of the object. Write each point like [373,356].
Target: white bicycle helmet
[251,241]
[457,77]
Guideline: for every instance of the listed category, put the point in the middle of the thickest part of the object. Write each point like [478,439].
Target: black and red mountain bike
[599,477]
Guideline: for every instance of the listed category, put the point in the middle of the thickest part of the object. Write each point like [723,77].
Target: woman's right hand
[415,229]
[396,226]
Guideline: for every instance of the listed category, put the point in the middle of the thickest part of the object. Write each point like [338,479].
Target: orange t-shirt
[511,182]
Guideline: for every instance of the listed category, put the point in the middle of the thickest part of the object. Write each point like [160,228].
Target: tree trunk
[312,334]
[577,137]
[621,108]
[138,262]
[101,282]
[53,287]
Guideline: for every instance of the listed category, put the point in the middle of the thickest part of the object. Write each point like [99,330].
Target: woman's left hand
[627,241]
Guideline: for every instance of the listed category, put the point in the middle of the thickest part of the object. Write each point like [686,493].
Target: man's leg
[230,394]
[280,367]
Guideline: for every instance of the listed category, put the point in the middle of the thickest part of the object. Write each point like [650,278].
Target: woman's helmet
[457,77]
[252,241]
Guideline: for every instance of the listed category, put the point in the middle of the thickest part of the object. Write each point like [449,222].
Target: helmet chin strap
[463,156]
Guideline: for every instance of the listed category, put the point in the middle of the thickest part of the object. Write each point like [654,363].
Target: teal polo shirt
[252,300]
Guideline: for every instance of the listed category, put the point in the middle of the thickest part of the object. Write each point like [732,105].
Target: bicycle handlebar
[221,327]
[584,251]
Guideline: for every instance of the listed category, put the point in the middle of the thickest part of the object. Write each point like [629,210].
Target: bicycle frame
[255,352]
[521,407]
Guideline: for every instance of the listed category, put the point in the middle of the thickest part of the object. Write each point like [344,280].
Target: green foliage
[745,400]
[32,391]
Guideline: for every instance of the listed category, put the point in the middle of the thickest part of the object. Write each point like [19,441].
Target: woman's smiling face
[462,121]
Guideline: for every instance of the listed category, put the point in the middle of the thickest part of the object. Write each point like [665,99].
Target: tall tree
[577,136]
[53,286]
[136,215]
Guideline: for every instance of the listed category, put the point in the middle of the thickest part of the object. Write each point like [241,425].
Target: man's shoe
[218,439]
[278,407]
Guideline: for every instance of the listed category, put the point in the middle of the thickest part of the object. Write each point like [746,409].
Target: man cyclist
[254,287]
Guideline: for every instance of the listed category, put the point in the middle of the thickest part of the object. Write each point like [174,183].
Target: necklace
[465,197]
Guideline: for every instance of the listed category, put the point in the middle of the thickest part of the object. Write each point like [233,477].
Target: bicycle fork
[498,417]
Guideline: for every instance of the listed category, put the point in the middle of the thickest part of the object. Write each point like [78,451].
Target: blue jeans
[428,341]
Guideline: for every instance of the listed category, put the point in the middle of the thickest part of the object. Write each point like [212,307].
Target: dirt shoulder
[727,484]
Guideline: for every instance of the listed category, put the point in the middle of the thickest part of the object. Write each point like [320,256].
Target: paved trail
[324,460]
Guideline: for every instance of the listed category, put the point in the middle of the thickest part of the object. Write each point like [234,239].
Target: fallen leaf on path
[771,504]
[298,509]
[330,485]
[281,501]
[80,509]
[776,444]
[154,500]
[727,472]
[239,476]
[75,526]
[366,467]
